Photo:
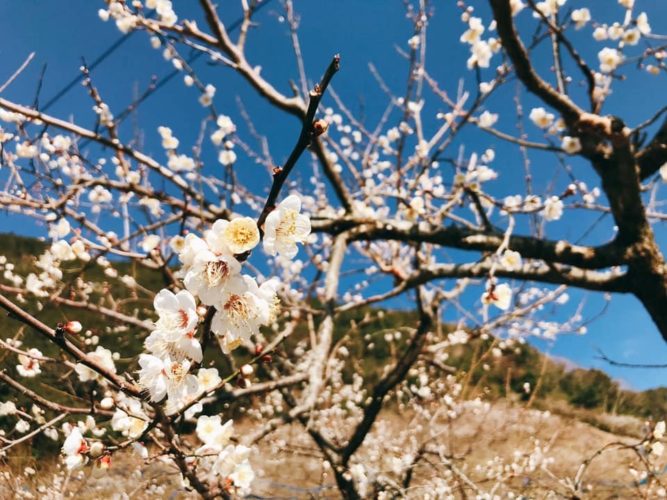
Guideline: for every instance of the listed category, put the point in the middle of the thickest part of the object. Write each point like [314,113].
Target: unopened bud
[73,327]
[96,449]
[106,403]
[319,127]
[105,462]
[228,484]
[247,370]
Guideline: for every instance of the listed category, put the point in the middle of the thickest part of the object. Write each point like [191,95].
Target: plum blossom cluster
[481,51]
[126,19]
[212,274]
[221,458]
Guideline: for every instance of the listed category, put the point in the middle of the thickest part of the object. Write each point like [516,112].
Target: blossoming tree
[256,283]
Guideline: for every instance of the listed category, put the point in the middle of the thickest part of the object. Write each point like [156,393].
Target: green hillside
[363,332]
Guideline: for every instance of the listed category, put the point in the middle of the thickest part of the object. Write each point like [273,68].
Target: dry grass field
[474,439]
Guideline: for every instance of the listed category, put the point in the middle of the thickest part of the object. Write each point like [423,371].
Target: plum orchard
[255,286]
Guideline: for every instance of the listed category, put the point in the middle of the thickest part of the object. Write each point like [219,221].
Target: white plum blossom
[243,309]
[481,173]
[164,377]
[243,475]
[571,145]
[99,195]
[104,358]
[22,426]
[610,59]
[168,140]
[174,334]
[239,235]
[642,24]
[227,157]
[225,128]
[600,33]
[213,433]
[663,172]
[517,6]
[480,55]
[284,227]
[208,379]
[631,37]
[29,363]
[165,10]
[61,229]
[191,247]
[498,295]
[548,7]
[458,337]
[26,150]
[581,17]
[131,420]
[206,99]
[229,460]
[62,251]
[487,119]
[180,163]
[474,32]
[74,448]
[7,408]
[615,31]
[657,448]
[511,260]
[35,286]
[541,118]
[209,273]
[553,208]
[79,249]
[177,243]
[153,205]
[177,312]
[150,243]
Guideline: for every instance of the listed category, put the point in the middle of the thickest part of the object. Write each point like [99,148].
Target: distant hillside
[551,382]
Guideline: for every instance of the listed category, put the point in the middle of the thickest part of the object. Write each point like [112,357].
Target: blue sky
[362,31]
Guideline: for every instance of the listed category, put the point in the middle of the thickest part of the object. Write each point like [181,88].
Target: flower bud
[105,462]
[319,127]
[73,326]
[106,403]
[96,449]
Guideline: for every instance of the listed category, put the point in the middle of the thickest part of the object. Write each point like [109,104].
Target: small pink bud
[105,462]
[73,326]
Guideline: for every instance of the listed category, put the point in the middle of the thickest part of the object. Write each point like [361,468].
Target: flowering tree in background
[246,272]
